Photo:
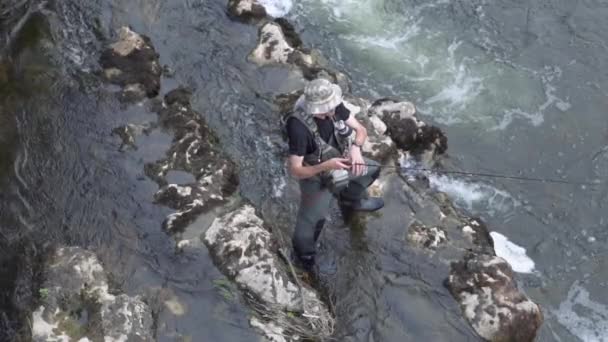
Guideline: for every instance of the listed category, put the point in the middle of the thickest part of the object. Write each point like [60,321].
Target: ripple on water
[454,77]
[583,317]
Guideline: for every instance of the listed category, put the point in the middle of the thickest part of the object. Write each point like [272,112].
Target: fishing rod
[480,174]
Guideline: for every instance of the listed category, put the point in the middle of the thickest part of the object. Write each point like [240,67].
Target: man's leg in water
[314,206]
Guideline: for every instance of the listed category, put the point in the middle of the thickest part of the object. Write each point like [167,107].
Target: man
[318,151]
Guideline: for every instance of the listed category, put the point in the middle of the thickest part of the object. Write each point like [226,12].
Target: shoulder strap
[309,123]
[323,148]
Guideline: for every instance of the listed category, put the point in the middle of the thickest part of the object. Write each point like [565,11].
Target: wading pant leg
[314,207]
[357,185]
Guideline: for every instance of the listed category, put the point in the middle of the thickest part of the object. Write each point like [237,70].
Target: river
[518,87]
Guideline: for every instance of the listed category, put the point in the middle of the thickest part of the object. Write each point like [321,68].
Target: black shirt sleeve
[298,137]
[342,113]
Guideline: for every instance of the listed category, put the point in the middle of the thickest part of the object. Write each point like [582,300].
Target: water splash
[474,196]
[277,8]
[515,255]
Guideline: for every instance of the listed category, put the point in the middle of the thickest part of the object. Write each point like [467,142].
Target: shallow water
[517,87]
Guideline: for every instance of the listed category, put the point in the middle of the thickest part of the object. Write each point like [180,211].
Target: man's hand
[358,163]
[337,164]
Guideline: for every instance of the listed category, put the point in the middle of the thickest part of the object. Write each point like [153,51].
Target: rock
[407,131]
[484,286]
[279,44]
[132,63]
[247,253]
[291,36]
[377,146]
[479,235]
[424,237]
[271,331]
[377,187]
[273,47]
[195,149]
[127,134]
[76,304]
[248,11]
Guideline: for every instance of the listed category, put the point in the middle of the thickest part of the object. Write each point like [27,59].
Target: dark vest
[324,150]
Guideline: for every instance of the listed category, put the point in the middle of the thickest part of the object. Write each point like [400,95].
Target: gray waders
[315,202]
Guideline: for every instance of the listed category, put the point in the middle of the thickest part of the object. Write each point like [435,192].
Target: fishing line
[491,175]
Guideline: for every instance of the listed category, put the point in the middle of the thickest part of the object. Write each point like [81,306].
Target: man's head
[321,97]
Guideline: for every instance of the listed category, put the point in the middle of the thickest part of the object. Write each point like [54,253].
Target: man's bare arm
[301,171]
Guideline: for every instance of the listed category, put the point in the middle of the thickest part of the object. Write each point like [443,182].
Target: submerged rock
[132,63]
[195,149]
[247,253]
[484,286]
[248,11]
[425,237]
[77,305]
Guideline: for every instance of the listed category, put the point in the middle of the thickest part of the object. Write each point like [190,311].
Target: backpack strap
[324,150]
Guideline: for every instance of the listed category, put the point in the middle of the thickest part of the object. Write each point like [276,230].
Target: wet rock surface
[195,150]
[248,11]
[483,284]
[485,287]
[77,303]
[247,253]
[133,64]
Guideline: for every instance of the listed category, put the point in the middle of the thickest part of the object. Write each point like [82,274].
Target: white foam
[475,197]
[277,8]
[515,255]
[584,318]
[456,95]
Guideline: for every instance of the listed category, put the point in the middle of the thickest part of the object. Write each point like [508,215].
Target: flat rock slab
[195,150]
[248,254]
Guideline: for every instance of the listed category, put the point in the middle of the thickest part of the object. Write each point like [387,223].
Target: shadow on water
[24,76]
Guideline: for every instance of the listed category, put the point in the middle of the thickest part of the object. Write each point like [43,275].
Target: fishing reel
[337,180]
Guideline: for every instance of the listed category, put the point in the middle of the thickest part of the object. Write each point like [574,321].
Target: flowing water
[519,88]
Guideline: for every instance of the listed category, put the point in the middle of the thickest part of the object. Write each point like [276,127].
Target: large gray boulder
[484,286]
[133,64]
[247,253]
[76,304]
